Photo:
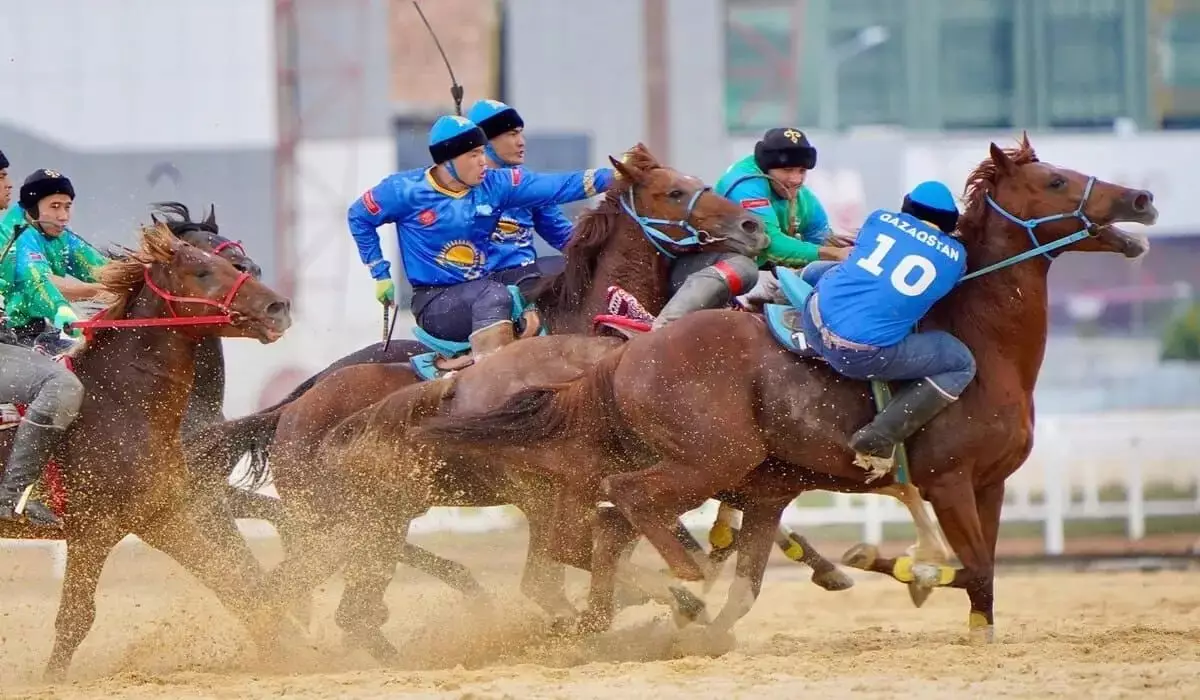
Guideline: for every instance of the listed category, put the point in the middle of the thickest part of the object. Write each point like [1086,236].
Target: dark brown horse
[712,406]
[121,463]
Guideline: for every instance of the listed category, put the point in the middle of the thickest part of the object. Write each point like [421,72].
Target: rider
[445,216]
[769,183]
[861,318]
[53,396]
[44,253]
[512,253]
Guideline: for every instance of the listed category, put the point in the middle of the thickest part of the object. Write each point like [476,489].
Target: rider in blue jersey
[862,315]
[444,216]
[513,256]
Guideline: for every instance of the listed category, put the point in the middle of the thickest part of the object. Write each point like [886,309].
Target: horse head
[204,234]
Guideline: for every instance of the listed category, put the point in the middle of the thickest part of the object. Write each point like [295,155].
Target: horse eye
[1058,183]
[675,194]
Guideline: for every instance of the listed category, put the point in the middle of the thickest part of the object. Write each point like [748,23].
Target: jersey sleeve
[754,195]
[816,228]
[554,227]
[32,276]
[382,204]
[512,188]
[82,259]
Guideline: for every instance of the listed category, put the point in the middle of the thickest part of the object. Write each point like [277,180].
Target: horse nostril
[1142,201]
[751,225]
[278,309]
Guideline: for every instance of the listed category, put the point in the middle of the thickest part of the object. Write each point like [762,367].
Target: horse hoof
[374,643]
[592,623]
[919,593]
[982,635]
[861,556]
[54,675]
[833,579]
[689,608]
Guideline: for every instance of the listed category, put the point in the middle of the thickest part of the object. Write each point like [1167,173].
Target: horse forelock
[983,181]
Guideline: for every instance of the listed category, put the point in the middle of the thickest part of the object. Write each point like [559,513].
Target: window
[872,80]
[760,66]
[976,64]
[1084,68]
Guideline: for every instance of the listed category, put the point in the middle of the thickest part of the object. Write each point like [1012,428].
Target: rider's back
[899,267]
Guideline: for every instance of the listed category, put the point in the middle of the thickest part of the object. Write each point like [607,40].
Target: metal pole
[658,111]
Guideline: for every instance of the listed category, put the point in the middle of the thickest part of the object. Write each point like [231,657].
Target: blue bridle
[1029,225]
[696,237]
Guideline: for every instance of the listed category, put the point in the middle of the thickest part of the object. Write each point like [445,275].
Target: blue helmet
[494,117]
[931,201]
[452,136]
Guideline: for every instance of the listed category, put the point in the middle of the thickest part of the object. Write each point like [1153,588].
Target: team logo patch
[463,256]
[754,203]
[427,217]
[793,135]
[36,257]
[516,176]
[370,203]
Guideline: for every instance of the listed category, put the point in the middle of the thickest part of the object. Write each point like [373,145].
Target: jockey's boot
[487,340]
[875,443]
[698,292]
[33,447]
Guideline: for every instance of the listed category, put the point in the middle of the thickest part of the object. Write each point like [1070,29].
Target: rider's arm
[377,206]
[754,195]
[32,274]
[74,290]
[816,228]
[512,188]
[554,227]
[83,261]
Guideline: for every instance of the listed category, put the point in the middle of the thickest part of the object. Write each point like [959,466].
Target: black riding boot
[32,449]
[908,410]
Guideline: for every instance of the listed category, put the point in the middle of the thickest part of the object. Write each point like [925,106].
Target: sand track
[1061,634]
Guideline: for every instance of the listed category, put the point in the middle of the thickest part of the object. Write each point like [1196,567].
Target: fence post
[1054,510]
[873,522]
[1135,501]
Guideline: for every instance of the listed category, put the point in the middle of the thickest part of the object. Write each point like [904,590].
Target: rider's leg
[527,278]
[812,272]
[943,367]
[53,395]
[707,281]
[445,312]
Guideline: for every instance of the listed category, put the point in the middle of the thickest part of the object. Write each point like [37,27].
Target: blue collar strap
[1043,249]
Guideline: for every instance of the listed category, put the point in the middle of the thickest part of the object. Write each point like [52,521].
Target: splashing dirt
[1060,634]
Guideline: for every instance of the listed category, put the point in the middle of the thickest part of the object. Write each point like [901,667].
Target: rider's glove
[62,317]
[385,292]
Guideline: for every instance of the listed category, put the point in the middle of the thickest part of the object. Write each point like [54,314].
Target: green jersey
[796,228]
[25,272]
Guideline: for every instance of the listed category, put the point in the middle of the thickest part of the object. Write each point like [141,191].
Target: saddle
[447,356]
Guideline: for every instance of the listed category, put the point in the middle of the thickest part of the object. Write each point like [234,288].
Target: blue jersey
[899,267]
[444,235]
[512,239]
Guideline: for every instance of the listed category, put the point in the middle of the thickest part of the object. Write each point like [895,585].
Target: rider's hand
[62,317]
[385,292]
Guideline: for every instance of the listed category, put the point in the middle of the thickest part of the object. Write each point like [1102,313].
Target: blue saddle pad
[454,348]
[423,366]
[794,288]
[784,324]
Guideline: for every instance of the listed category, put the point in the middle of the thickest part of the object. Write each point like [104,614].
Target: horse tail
[535,413]
[213,451]
[375,438]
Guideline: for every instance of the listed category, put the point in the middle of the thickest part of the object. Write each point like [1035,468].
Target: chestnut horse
[121,464]
[712,406]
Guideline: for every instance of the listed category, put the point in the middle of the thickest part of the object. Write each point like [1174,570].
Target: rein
[226,317]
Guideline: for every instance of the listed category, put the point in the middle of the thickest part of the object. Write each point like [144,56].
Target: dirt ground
[1060,634]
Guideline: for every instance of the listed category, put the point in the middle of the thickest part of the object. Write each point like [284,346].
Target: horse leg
[362,611]
[930,547]
[220,559]
[544,579]
[249,505]
[796,547]
[86,555]
[760,523]
[955,504]
[989,500]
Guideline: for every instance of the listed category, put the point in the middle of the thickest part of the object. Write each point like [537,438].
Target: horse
[714,406]
[121,466]
[609,247]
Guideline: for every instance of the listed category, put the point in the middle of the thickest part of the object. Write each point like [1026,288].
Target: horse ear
[211,219]
[1004,164]
[628,172]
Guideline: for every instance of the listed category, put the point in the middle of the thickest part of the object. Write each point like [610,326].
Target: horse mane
[982,182]
[124,277]
[178,218]
[594,231]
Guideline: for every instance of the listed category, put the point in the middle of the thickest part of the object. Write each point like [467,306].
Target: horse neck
[1002,316]
[147,370]
[629,262]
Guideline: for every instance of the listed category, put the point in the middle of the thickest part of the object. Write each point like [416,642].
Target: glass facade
[961,64]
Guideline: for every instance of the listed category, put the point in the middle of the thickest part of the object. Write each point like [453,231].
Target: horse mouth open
[1131,245]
